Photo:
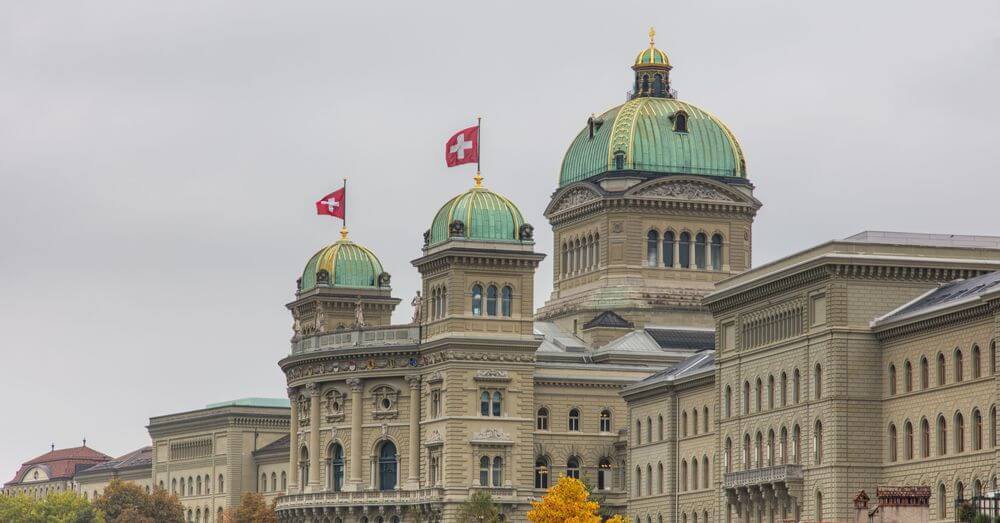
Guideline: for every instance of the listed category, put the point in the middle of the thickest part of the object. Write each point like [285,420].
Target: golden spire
[478,178]
[652,36]
[343,233]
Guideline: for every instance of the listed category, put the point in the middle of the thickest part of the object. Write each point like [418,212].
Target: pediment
[574,197]
[683,190]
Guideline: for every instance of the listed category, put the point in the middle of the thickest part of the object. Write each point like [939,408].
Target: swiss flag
[463,147]
[333,204]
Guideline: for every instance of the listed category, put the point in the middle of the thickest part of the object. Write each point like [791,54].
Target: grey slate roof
[136,459]
[950,293]
[680,338]
[637,341]
[608,319]
[279,445]
[696,364]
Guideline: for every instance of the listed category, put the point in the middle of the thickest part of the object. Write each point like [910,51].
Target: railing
[359,498]
[967,509]
[776,474]
[370,337]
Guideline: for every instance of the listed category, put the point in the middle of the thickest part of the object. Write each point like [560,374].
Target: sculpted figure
[417,303]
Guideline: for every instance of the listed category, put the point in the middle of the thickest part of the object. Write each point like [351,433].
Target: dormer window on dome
[680,119]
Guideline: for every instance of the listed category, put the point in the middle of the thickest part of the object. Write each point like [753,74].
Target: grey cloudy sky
[159,160]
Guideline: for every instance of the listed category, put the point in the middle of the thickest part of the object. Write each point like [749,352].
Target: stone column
[314,451]
[724,252]
[692,261]
[677,252]
[354,481]
[293,442]
[708,256]
[413,479]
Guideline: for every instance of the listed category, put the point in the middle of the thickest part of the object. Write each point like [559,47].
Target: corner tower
[653,207]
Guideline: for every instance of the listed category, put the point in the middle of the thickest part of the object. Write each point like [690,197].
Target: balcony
[778,486]
[405,335]
[764,476]
[388,501]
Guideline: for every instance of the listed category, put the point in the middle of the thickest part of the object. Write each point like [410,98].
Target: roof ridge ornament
[652,37]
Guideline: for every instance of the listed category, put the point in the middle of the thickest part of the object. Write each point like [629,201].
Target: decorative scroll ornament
[492,374]
[435,437]
[575,198]
[492,434]
[684,191]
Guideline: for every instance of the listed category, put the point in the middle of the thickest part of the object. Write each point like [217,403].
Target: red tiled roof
[62,463]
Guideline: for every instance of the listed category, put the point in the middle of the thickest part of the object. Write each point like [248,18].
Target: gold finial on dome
[652,37]
[343,233]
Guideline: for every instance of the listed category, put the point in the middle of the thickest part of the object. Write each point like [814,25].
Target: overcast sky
[159,160]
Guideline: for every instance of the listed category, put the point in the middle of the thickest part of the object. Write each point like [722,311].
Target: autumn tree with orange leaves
[567,502]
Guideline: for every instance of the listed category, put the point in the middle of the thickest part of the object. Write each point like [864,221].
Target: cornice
[969,313]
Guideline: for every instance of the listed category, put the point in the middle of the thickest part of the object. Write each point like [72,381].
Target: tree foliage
[58,507]
[124,502]
[479,508]
[566,502]
[253,508]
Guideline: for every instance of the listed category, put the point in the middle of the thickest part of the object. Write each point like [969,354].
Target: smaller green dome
[652,56]
[343,264]
[478,214]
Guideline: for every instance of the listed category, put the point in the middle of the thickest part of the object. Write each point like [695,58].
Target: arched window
[684,248]
[208,484]
[659,427]
[484,403]
[977,363]
[977,430]
[704,419]
[758,453]
[477,300]
[993,357]
[795,386]
[222,485]
[728,456]
[770,392]
[649,479]
[892,380]
[604,474]
[336,471]
[694,421]
[694,473]
[652,248]
[940,369]
[506,296]
[758,393]
[818,378]
[770,448]
[746,452]
[274,482]
[491,300]
[700,243]
[959,366]
[684,424]
[796,444]
[818,442]
[649,429]
[716,252]
[574,420]
[959,432]
[680,122]
[728,402]
[908,440]
[907,376]
[303,466]
[497,403]
[746,397]
[783,446]
[484,471]
[542,419]
[960,490]
[993,427]
[497,471]
[925,438]
[565,259]
[924,373]
[704,472]
[198,481]
[683,475]
[784,389]
[263,482]
[819,506]
[942,436]
[942,502]
[183,491]
[541,473]
[668,248]
[605,425]
[638,432]
[638,481]
[573,467]
[387,466]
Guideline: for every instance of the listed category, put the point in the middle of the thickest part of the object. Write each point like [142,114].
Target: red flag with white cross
[463,147]
[333,204]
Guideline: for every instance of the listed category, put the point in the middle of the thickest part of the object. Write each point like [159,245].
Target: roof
[692,366]
[608,319]
[926,239]
[62,463]
[642,132]
[342,264]
[638,341]
[252,402]
[484,214]
[281,445]
[683,338]
[139,458]
[950,294]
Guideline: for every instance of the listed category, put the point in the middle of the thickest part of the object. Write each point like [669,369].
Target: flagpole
[479,147]
[343,228]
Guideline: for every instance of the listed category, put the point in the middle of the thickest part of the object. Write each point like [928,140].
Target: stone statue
[320,320]
[359,313]
[526,232]
[417,303]
[296,327]
[457,228]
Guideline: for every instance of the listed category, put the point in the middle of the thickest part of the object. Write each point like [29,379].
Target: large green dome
[483,215]
[644,135]
[343,264]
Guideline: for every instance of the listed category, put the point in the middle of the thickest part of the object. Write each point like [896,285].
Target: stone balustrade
[369,337]
[762,476]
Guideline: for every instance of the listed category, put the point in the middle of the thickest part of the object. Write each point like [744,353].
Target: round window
[386,403]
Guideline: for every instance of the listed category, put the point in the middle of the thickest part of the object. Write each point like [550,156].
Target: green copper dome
[659,135]
[652,56]
[343,264]
[478,214]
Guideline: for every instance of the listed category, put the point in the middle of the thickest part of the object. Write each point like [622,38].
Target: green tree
[124,502]
[58,507]
[253,508]
[17,508]
[479,508]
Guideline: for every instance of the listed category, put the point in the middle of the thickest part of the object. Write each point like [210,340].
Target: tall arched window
[758,393]
[303,467]
[659,427]
[668,248]
[704,419]
[942,502]
[574,420]
[684,248]
[222,485]
[796,444]
[993,427]
[565,259]
[993,357]
[649,428]
[649,479]
[477,300]
[892,380]
[795,386]
[497,471]
[716,252]
[484,471]
[700,243]
[694,421]
[770,392]
[507,297]
[818,442]
[924,373]
[274,482]
[541,473]
[728,456]
[770,448]
[652,248]
[925,438]
[959,432]
[819,506]
[746,397]
[908,440]
[942,436]
[387,466]
[336,470]
[497,403]
[728,404]
[542,419]
[683,475]
[484,403]
[573,467]
[783,446]
[959,366]
[977,430]
[818,378]
[907,376]
[491,300]
[759,450]
[977,362]
[704,472]
[684,424]
[638,432]
[604,474]
[680,122]
[784,389]
[694,473]
[940,369]
[605,425]
[746,452]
